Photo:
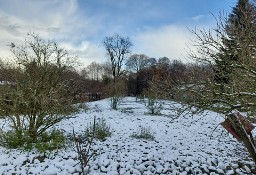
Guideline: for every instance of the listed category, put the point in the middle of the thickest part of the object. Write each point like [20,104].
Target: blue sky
[157,28]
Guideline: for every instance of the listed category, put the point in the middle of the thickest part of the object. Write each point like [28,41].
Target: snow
[185,145]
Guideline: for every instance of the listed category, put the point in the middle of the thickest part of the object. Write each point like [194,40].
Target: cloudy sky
[157,28]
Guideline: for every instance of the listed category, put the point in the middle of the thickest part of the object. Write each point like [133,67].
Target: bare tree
[39,97]
[233,66]
[107,69]
[164,61]
[117,48]
[229,52]
[95,71]
[137,62]
[84,73]
[151,62]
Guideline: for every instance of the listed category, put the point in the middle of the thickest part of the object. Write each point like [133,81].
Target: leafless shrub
[83,148]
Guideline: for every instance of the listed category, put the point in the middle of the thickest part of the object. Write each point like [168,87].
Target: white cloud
[63,21]
[197,18]
[86,51]
[51,19]
[170,41]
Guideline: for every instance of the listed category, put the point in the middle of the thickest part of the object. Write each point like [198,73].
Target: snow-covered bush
[51,140]
[100,130]
[114,102]
[144,133]
[83,107]
[154,106]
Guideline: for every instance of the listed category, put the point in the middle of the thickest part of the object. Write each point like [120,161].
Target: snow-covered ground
[185,145]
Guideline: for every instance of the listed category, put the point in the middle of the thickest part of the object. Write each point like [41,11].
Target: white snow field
[185,145]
